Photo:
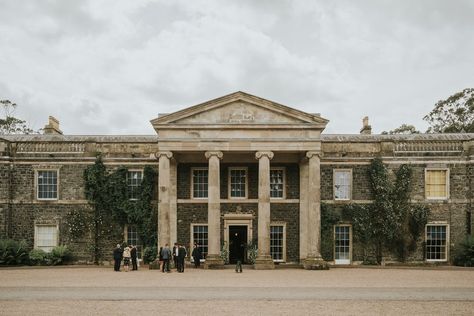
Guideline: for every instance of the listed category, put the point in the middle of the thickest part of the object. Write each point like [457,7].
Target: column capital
[310,154]
[260,154]
[168,154]
[218,154]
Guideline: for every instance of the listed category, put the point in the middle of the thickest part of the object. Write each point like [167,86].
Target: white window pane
[46,237]
[342,184]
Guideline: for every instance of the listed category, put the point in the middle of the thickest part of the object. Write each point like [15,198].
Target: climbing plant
[108,195]
[329,218]
[392,221]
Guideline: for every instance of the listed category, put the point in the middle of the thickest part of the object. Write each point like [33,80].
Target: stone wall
[288,213]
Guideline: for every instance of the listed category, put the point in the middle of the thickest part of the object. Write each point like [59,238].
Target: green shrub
[252,251]
[465,253]
[60,255]
[13,252]
[149,254]
[37,256]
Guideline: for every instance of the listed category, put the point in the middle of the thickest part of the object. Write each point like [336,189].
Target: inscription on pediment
[241,115]
[238,113]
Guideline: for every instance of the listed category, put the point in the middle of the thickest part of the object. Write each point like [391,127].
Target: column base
[264,263]
[315,264]
[214,262]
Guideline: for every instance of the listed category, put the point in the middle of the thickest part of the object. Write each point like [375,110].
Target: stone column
[264,260]
[213,259]
[164,183]
[314,261]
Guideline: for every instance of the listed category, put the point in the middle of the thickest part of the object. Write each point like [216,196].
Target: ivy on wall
[392,223]
[108,195]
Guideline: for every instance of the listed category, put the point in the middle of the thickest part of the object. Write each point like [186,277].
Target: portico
[240,130]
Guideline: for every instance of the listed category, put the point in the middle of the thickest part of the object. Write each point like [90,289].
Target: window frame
[283,243]
[446,259]
[35,242]
[191,240]
[125,239]
[230,197]
[447,177]
[350,241]
[128,186]
[334,171]
[37,171]
[192,183]
[283,169]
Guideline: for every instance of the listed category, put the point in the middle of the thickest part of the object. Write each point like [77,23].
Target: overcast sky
[108,67]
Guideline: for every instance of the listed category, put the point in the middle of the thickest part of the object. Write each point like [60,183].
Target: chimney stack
[52,127]
[366,128]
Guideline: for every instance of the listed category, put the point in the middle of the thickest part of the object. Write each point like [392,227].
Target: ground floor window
[342,244]
[199,235]
[132,238]
[46,237]
[277,242]
[436,242]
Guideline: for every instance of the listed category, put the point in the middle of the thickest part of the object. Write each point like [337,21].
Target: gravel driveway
[93,291]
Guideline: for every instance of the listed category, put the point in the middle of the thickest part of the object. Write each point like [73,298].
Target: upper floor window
[342,184]
[46,237]
[134,179]
[238,183]
[47,184]
[277,183]
[199,183]
[436,183]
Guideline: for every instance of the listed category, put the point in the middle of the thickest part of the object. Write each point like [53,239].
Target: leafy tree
[453,115]
[403,129]
[10,124]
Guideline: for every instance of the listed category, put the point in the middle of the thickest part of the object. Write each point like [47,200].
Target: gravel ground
[101,291]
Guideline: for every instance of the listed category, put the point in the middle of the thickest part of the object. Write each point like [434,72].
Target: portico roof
[239,108]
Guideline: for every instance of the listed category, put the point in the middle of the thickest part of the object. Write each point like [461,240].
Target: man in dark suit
[117,257]
[175,255]
[133,253]
[182,253]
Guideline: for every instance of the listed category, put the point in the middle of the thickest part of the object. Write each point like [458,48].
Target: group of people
[178,254]
[127,254]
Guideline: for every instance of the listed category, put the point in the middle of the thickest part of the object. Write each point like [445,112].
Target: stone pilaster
[164,184]
[173,202]
[314,261]
[303,235]
[213,259]
[264,260]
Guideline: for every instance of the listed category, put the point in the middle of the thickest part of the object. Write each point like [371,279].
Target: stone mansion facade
[237,170]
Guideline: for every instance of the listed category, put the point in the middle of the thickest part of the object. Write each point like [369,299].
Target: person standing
[175,255]
[166,254]
[126,258]
[196,254]
[182,253]
[133,253]
[117,258]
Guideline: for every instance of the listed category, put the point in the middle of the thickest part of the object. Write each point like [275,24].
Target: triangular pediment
[239,109]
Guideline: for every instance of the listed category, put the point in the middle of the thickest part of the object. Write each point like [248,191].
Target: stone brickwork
[233,128]
[360,181]
[288,213]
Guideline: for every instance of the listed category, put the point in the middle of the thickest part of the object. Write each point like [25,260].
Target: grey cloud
[111,66]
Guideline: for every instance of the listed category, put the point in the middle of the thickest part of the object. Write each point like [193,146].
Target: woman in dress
[126,259]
